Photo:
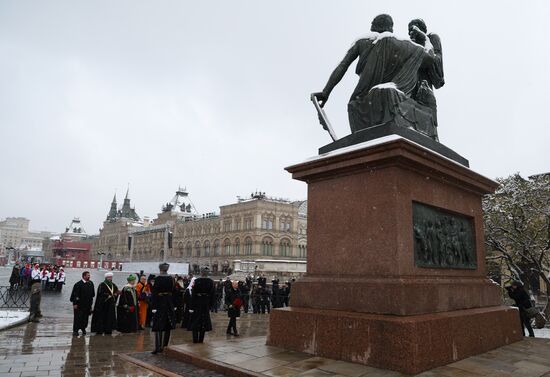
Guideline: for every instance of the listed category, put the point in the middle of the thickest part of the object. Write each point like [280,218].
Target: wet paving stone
[174,366]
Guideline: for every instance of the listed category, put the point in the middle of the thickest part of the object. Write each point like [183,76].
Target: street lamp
[101,254]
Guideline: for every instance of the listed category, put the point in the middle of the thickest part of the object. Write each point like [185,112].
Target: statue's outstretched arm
[339,72]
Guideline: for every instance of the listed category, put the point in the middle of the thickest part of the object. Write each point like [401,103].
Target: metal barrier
[14,298]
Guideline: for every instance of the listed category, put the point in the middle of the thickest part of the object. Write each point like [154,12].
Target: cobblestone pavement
[48,348]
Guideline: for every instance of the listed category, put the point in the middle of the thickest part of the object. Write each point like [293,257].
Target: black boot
[201,336]
[228,332]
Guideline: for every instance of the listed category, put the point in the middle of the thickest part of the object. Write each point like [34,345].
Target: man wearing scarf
[104,317]
[127,309]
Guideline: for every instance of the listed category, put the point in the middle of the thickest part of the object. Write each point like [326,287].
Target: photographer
[517,292]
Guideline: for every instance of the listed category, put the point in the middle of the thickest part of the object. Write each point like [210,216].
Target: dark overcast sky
[214,95]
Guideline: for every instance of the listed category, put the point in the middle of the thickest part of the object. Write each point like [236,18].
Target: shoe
[75,333]
[83,332]
[236,334]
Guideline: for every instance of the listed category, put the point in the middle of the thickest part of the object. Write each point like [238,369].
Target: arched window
[180,249]
[284,248]
[237,247]
[302,250]
[188,249]
[227,247]
[217,251]
[248,246]
[206,248]
[267,246]
[197,249]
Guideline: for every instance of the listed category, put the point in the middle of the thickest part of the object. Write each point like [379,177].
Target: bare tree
[517,228]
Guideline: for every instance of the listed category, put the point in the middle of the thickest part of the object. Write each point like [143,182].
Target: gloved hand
[154,311]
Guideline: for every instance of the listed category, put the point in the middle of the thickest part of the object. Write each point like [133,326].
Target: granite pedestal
[365,298]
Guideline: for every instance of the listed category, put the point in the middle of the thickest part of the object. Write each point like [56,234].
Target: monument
[396,262]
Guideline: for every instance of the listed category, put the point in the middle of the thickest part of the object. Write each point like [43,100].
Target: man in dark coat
[244,291]
[127,309]
[82,298]
[517,292]
[104,317]
[162,307]
[203,296]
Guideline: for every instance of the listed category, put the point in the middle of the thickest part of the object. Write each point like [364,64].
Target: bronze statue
[396,79]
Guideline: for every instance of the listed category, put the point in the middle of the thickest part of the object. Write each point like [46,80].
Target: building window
[237,247]
[248,246]
[206,248]
[227,226]
[197,249]
[217,251]
[237,224]
[248,224]
[227,247]
[267,246]
[188,249]
[302,250]
[284,248]
[267,222]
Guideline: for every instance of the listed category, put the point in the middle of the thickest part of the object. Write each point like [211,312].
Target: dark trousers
[232,325]
[198,336]
[526,323]
[80,321]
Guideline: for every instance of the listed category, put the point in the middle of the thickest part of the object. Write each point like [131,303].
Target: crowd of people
[163,302]
[50,277]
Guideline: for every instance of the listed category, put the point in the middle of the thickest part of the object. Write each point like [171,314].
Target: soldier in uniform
[162,307]
[203,296]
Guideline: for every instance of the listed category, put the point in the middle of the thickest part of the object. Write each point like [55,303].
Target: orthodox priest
[162,307]
[82,297]
[388,69]
[104,317]
[127,309]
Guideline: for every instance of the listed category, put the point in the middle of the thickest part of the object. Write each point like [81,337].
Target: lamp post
[101,254]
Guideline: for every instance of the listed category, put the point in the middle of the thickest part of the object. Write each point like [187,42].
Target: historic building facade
[254,232]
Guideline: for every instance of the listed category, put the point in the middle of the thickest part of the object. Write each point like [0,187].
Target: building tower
[111,216]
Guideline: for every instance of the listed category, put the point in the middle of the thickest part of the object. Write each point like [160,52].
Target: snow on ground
[9,318]
[542,333]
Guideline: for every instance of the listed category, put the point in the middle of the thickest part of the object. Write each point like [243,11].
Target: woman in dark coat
[233,302]
[203,296]
[104,317]
[162,304]
[14,278]
[517,292]
[127,310]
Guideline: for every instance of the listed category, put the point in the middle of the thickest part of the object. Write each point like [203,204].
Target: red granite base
[408,344]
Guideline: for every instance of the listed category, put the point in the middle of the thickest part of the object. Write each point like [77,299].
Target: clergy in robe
[162,307]
[104,317]
[143,290]
[82,297]
[127,308]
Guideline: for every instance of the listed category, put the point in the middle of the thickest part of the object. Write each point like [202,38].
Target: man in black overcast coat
[82,298]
